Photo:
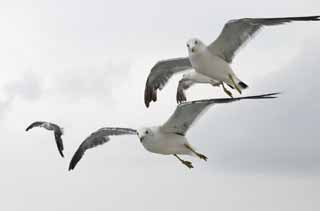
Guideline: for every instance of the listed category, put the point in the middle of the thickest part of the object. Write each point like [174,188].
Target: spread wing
[58,132]
[183,85]
[97,138]
[186,113]
[160,74]
[237,32]
[35,124]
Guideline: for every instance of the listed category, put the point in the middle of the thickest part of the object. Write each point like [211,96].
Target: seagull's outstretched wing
[183,85]
[186,113]
[236,32]
[160,73]
[99,137]
[35,124]
[58,132]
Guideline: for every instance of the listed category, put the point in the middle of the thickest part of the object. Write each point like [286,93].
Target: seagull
[213,60]
[58,132]
[167,139]
[190,79]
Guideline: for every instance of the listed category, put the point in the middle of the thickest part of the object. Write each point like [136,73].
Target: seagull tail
[242,85]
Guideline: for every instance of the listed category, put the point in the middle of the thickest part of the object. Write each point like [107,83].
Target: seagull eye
[147,132]
[196,42]
[188,45]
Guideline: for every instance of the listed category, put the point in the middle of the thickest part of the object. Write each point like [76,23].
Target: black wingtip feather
[29,127]
[75,159]
[61,153]
[263,96]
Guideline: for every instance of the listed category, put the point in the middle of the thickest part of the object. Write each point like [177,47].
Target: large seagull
[167,139]
[211,63]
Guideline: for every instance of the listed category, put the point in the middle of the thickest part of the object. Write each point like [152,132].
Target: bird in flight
[58,132]
[211,64]
[167,139]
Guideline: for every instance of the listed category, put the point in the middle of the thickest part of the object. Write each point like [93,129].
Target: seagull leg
[226,91]
[234,83]
[201,156]
[185,162]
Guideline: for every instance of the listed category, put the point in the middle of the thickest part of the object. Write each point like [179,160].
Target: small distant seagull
[58,132]
[167,139]
[214,60]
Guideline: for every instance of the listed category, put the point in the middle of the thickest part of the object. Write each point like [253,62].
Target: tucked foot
[226,91]
[201,156]
[234,84]
[187,163]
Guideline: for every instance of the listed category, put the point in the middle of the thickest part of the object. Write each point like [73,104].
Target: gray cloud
[93,82]
[28,87]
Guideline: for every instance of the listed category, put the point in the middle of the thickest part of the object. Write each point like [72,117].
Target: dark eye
[196,42]
[188,45]
[147,132]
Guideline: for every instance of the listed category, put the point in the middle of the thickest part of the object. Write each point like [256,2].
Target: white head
[195,45]
[145,133]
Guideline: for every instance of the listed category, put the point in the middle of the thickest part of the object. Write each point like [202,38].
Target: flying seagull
[58,132]
[213,60]
[167,139]
[190,79]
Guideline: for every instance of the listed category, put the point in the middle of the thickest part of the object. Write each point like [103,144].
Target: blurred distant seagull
[167,139]
[58,132]
[212,61]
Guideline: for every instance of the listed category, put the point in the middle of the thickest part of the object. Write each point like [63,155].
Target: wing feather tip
[75,159]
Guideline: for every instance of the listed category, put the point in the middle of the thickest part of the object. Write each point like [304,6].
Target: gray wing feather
[237,32]
[186,113]
[97,138]
[35,124]
[160,74]
[183,85]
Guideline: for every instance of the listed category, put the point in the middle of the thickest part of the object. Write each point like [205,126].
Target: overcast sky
[83,65]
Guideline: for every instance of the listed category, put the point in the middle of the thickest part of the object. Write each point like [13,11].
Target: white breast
[212,66]
[166,144]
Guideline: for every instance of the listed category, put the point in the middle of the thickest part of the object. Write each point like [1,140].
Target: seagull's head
[145,133]
[195,45]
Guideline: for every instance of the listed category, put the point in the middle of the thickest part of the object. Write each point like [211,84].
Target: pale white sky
[83,65]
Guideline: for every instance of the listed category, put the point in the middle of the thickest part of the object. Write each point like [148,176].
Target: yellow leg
[201,156]
[234,84]
[185,162]
[226,91]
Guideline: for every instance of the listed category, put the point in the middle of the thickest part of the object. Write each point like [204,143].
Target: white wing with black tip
[186,113]
[97,138]
[237,32]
